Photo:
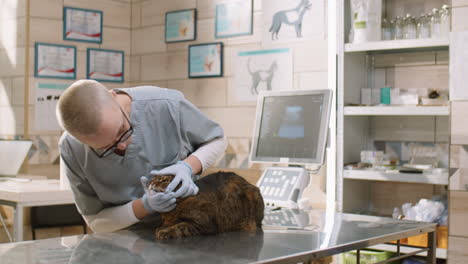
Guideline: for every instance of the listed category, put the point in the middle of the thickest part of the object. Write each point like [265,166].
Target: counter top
[323,235]
[35,192]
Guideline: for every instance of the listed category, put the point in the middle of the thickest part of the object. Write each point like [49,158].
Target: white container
[366,96]
[366,17]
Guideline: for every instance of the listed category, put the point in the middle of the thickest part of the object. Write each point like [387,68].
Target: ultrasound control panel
[283,186]
[290,218]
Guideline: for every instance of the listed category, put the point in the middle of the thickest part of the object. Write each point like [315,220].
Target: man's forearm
[195,163]
[138,209]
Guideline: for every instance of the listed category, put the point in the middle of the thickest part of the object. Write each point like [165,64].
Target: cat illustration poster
[261,70]
[293,20]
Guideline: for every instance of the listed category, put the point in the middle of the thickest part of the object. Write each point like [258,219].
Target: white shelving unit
[374,65]
[404,44]
[396,110]
[370,175]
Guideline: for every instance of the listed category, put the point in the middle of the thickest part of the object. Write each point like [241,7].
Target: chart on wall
[105,65]
[261,70]
[293,20]
[47,96]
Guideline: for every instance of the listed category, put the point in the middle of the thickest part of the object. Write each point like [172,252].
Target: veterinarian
[114,137]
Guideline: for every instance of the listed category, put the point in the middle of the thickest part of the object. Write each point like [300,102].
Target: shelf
[397,45]
[441,253]
[371,175]
[410,110]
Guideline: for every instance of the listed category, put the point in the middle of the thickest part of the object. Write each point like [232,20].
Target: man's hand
[157,201]
[183,174]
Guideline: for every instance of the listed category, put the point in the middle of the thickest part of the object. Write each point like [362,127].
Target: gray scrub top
[167,128]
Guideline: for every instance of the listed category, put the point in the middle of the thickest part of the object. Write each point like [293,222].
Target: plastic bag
[365,21]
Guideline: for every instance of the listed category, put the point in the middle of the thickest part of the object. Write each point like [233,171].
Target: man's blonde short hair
[79,109]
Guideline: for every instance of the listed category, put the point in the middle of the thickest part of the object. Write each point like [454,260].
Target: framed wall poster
[205,60]
[105,65]
[181,25]
[261,70]
[54,61]
[82,24]
[234,18]
[47,96]
[293,20]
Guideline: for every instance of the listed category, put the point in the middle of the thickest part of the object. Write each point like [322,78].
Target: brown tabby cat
[225,202]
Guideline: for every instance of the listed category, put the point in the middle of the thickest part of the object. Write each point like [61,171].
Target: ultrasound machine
[291,128]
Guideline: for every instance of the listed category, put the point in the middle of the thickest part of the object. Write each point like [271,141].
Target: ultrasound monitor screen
[292,127]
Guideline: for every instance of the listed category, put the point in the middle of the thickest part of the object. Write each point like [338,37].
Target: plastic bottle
[435,24]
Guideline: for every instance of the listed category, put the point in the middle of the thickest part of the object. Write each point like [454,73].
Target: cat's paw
[164,234]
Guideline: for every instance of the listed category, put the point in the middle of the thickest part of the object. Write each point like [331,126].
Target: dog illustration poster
[261,70]
[293,20]
[47,96]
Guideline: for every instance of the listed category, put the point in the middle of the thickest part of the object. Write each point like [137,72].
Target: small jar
[386,30]
[423,28]
[398,28]
[445,21]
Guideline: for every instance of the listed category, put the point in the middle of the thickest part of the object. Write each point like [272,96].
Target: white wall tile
[116,39]
[12,62]
[311,80]
[206,8]
[17,91]
[51,9]
[153,11]
[116,13]
[206,92]
[135,62]
[457,252]
[458,213]
[310,56]
[236,122]
[12,120]
[148,40]
[136,15]
[459,122]
[5,92]
[81,65]
[164,66]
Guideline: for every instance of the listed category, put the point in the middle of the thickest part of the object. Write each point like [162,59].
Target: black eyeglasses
[126,135]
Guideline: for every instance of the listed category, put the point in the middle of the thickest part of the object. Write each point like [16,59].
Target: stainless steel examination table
[324,234]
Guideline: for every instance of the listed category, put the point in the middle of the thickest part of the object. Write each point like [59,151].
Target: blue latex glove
[183,174]
[157,201]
